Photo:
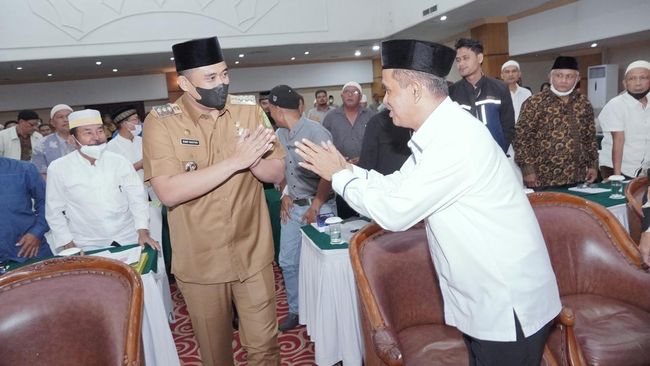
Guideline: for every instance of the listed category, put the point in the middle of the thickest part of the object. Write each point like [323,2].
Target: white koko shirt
[131,150]
[625,114]
[518,98]
[94,205]
[483,235]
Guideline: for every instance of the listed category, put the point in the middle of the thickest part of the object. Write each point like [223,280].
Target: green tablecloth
[151,263]
[273,201]
[601,198]
[322,240]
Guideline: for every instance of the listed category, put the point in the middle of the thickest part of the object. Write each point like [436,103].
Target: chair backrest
[634,192]
[71,311]
[589,249]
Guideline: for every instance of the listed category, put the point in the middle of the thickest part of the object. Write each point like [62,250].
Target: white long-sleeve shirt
[94,205]
[483,235]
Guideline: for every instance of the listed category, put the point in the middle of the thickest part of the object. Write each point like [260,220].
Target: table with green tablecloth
[618,207]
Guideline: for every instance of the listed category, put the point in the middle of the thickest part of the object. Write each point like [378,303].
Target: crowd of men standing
[207,155]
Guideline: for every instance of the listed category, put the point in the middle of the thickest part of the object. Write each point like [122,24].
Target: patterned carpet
[295,347]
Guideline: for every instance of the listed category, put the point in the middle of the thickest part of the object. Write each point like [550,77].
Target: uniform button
[218,151]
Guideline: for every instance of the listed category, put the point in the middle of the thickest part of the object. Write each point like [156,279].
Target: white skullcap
[638,64]
[59,107]
[86,117]
[352,83]
[510,63]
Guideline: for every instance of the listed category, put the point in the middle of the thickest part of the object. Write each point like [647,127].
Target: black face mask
[213,98]
[639,96]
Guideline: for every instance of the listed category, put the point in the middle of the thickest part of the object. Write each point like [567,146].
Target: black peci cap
[565,62]
[197,53]
[409,54]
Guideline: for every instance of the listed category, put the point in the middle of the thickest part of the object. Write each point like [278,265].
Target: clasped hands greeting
[251,147]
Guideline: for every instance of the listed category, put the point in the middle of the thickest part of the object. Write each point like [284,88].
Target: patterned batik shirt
[556,140]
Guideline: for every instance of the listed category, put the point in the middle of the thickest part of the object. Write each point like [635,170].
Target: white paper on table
[589,190]
[128,256]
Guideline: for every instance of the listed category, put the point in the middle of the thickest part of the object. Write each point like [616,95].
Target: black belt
[308,201]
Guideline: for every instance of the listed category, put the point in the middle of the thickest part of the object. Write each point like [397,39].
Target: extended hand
[285,208]
[531,180]
[591,176]
[28,244]
[252,146]
[322,159]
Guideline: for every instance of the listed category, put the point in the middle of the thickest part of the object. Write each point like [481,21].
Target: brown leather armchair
[634,192]
[601,282]
[400,301]
[71,311]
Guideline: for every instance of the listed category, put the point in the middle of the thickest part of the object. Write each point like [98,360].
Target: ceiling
[458,21]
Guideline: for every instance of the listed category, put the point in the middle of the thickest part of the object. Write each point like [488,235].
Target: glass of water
[617,186]
[334,225]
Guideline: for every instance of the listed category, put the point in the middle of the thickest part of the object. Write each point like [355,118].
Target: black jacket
[491,103]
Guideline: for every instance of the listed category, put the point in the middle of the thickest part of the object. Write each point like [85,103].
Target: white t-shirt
[626,114]
[483,235]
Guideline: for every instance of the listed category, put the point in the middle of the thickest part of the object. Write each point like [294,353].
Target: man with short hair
[347,124]
[206,156]
[45,129]
[305,194]
[486,98]
[494,270]
[94,197]
[555,142]
[17,142]
[322,106]
[511,75]
[625,121]
[56,145]
[22,212]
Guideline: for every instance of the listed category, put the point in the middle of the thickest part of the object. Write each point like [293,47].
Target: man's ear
[417,91]
[184,83]
[480,58]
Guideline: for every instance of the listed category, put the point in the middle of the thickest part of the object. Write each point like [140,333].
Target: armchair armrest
[566,320]
[387,347]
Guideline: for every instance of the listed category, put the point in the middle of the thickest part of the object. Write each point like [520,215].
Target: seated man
[23,224]
[95,197]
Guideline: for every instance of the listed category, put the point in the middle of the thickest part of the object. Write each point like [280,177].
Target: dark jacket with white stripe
[491,103]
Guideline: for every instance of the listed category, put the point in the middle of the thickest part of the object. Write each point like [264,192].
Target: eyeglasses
[637,78]
[351,92]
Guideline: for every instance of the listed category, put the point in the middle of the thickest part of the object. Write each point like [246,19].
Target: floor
[295,347]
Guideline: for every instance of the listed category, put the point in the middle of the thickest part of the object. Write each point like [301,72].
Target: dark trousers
[522,352]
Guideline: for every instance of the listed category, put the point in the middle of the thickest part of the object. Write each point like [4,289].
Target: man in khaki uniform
[206,156]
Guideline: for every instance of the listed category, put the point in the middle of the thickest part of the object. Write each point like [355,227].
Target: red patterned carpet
[295,347]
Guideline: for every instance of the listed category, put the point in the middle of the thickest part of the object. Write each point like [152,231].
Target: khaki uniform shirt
[224,235]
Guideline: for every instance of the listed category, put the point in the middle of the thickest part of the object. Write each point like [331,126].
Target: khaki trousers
[210,309]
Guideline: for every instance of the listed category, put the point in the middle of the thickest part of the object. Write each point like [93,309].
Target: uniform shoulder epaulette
[166,110]
[243,99]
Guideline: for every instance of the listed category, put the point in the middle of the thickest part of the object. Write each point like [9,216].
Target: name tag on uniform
[189,142]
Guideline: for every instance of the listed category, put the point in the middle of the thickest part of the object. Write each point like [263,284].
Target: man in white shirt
[93,196]
[511,74]
[16,142]
[625,121]
[128,142]
[495,274]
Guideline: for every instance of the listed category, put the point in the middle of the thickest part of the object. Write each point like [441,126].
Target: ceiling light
[293,58]
[376,47]
[19,68]
[171,59]
[357,53]
[98,63]
[236,62]
[306,52]
[443,18]
[593,45]
[48,75]
[114,70]
[241,55]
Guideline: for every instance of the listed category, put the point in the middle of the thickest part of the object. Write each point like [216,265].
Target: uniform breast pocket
[191,157]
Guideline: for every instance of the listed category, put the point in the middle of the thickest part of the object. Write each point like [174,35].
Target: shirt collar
[195,113]
[13,133]
[422,137]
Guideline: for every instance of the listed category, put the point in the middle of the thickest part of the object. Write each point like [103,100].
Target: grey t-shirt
[347,137]
[301,182]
